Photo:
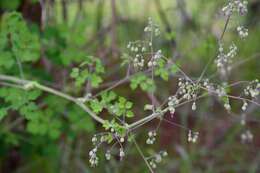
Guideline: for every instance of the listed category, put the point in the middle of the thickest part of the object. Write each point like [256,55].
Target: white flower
[245,104]
[151,137]
[93,157]
[242,31]
[247,136]
[94,139]
[108,155]
[227,106]
[193,107]
[193,136]
[121,153]
[122,140]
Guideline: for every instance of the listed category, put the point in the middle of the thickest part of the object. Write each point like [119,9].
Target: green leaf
[95,80]
[106,125]
[174,68]
[129,105]
[107,97]
[96,106]
[6,59]
[129,114]
[17,41]
[74,73]
[3,113]
[145,83]
[78,120]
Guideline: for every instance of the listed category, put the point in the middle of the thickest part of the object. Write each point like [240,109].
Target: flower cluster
[157,158]
[121,153]
[188,89]
[137,48]
[193,107]
[224,59]
[151,137]
[222,94]
[94,140]
[247,136]
[155,58]
[193,136]
[172,102]
[108,155]
[235,6]
[245,104]
[152,28]
[242,31]
[227,106]
[243,119]
[253,89]
[93,157]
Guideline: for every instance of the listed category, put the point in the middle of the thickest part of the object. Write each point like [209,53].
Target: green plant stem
[22,83]
[52,91]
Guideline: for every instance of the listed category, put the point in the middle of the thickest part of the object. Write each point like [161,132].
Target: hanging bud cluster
[193,136]
[172,102]
[235,6]
[152,28]
[93,160]
[242,32]
[224,59]
[157,158]
[151,138]
[247,136]
[253,89]
[154,60]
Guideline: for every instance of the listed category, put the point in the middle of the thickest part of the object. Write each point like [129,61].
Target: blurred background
[68,30]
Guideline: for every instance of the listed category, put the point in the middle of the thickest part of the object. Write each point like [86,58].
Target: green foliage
[122,108]
[40,122]
[79,120]
[96,106]
[65,44]
[163,70]
[17,41]
[108,125]
[107,97]
[10,5]
[142,81]
[37,125]
[3,113]
[17,97]
[90,70]
[118,106]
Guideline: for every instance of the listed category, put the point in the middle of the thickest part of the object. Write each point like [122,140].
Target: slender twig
[52,91]
[142,155]
[211,59]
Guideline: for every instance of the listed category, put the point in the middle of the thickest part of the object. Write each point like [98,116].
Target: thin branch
[23,82]
[142,154]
